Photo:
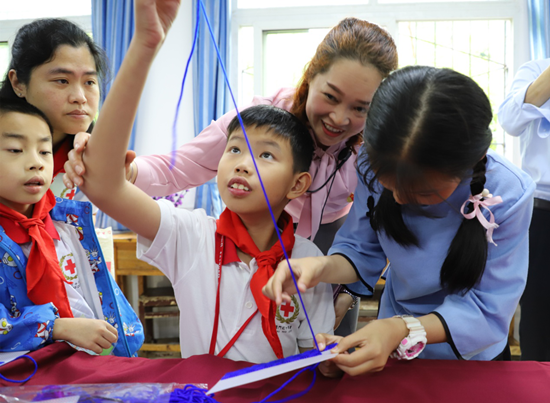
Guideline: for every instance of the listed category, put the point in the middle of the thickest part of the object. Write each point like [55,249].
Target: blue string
[257,170]
[259,367]
[174,128]
[297,395]
[27,378]
[191,394]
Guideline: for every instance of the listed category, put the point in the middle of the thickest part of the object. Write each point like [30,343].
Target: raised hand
[153,20]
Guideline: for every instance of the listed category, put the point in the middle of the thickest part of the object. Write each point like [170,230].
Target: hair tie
[484,199]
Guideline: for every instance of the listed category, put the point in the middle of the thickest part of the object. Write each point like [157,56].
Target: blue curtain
[539,28]
[113,28]
[210,94]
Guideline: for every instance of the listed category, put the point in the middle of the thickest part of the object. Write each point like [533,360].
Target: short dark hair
[36,44]
[282,124]
[425,119]
[8,105]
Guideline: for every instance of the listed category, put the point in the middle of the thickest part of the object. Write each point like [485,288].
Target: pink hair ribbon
[484,199]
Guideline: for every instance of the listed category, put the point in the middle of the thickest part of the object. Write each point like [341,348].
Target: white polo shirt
[80,283]
[184,250]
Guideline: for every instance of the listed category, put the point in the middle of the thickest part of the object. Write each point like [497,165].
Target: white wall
[160,96]
[156,113]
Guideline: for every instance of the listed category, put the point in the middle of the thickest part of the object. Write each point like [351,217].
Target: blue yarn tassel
[191,394]
[194,394]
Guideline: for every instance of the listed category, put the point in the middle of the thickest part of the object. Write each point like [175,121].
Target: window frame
[9,28]
[387,15]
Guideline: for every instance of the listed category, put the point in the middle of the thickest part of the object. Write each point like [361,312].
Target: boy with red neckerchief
[217,268]
[48,290]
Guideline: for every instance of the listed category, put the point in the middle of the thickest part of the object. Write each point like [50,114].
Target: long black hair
[36,43]
[423,119]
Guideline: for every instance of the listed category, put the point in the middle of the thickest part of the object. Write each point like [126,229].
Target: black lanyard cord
[343,156]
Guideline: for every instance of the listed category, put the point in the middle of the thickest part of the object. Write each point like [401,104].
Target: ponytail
[467,256]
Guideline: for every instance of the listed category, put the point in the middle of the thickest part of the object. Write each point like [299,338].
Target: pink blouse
[196,162]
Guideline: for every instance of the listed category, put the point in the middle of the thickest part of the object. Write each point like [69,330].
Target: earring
[20,94]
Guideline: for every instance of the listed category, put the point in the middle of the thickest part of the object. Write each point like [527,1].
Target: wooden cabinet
[150,304]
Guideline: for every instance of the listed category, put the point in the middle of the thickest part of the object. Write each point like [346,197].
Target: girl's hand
[92,334]
[74,166]
[281,286]
[153,20]
[329,368]
[375,342]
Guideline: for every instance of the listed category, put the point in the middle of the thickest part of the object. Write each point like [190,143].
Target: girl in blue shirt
[449,214]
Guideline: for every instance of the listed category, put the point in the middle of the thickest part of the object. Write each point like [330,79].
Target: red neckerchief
[61,155]
[230,226]
[45,282]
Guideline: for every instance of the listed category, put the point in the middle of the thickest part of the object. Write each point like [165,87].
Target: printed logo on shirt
[129,330]
[69,270]
[8,260]
[5,326]
[350,198]
[94,259]
[288,312]
[111,319]
[43,332]
[15,312]
[73,220]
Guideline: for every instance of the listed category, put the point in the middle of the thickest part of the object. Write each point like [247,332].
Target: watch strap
[412,345]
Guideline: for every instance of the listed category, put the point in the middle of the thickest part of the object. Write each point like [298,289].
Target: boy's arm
[28,329]
[105,182]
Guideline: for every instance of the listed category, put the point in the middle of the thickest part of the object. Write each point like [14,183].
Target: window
[293,3]
[486,40]
[31,9]
[4,58]
[477,48]
[14,14]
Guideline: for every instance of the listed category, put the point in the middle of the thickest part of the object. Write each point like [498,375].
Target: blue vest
[25,326]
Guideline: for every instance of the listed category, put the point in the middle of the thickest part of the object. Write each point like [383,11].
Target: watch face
[414,350]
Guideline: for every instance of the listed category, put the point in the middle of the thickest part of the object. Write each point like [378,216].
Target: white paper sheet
[269,372]
[12,355]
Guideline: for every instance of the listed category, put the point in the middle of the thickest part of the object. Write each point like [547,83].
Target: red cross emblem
[70,266]
[287,309]
[71,194]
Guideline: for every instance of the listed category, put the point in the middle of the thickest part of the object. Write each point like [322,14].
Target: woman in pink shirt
[332,98]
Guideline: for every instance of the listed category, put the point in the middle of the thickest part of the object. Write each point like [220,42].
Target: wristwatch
[412,345]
